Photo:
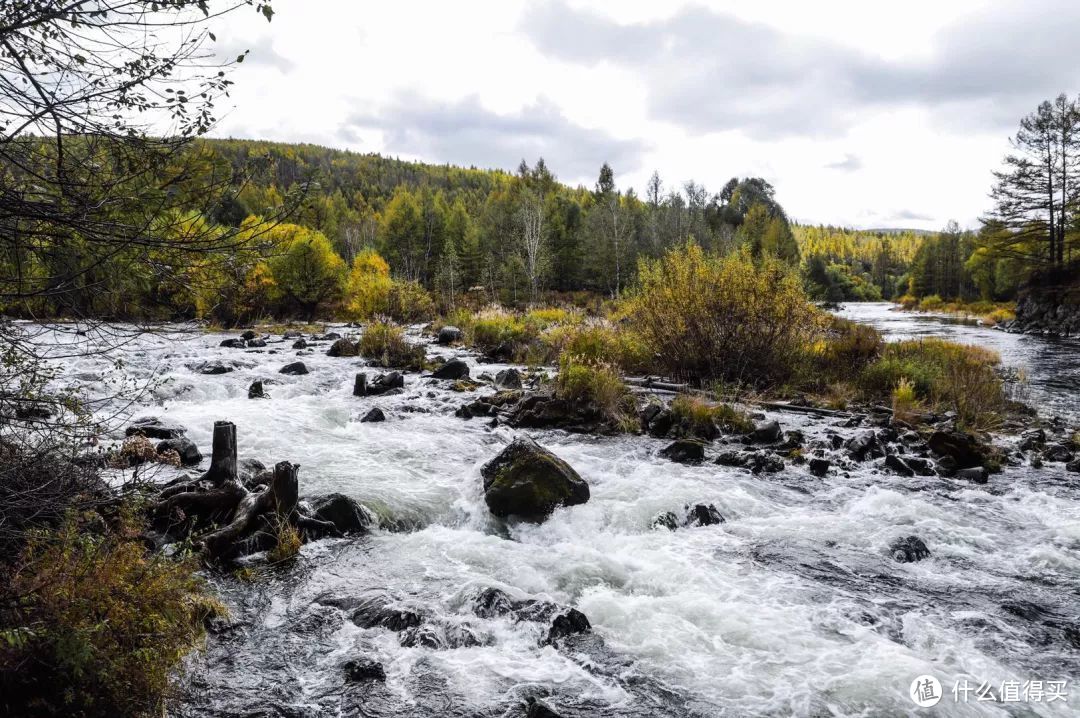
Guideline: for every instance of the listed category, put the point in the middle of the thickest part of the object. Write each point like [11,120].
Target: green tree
[305,268]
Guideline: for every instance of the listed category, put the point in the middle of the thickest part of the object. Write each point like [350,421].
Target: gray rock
[908,549]
[666,520]
[819,467]
[767,432]
[344,348]
[453,369]
[375,414]
[154,428]
[186,448]
[898,465]
[508,379]
[256,390]
[684,451]
[256,343]
[528,481]
[345,513]
[449,335]
[294,369]
[703,515]
[214,368]
[234,344]
[864,445]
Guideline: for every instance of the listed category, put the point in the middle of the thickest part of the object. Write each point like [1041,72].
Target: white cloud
[858,113]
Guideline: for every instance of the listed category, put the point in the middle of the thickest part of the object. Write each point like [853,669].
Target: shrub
[94,625]
[408,302]
[706,317]
[599,341]
[904,401]
[930,303]
[495,328]
[368,287]
[287,542]
[701,414]
[907,301]
[386,345]
[949,376]
[598,383]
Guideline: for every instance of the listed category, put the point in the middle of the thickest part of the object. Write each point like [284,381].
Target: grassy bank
[988,313]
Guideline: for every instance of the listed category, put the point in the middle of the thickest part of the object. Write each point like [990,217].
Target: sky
[861,114]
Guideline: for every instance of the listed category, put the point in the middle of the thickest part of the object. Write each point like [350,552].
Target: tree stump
[360,385]
[223,455]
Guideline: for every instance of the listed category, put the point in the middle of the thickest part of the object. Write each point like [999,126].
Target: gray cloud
[850,163]
[465,133]
[708,71]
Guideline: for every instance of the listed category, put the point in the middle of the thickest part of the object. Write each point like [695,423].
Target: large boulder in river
[344,348]
[508,379]
[684,451]
[528,481]
[453,369]
[964,449]
[154,428]
[345,513]
[767,432]
[908,549]
[296,368]
[449,335]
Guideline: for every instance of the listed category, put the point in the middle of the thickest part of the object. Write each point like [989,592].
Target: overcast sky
[860,113]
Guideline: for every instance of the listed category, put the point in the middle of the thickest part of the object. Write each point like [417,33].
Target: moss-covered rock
[528,481]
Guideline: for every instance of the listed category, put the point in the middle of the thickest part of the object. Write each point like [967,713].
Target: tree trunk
[223,456]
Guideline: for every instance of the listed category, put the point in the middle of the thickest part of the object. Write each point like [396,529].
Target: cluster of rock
[1055,312]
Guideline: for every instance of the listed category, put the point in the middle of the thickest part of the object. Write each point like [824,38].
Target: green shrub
[408,302]
[931,303]
[385,344]
[706,317]
[946,375]
[92,624]
[600,341]
[702,414]
[599,383]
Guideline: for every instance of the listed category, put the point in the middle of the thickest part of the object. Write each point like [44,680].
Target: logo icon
[925,691]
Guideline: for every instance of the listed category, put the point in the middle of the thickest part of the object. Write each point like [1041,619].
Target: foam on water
[792,606]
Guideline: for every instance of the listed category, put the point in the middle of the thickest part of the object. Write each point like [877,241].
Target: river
[793,606]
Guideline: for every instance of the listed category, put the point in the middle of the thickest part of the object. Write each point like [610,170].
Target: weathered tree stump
[223,455]
[360,385]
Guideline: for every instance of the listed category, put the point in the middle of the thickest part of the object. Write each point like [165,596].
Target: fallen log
[783,406]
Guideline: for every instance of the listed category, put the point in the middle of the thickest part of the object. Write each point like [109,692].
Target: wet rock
[439,637]
[154,428]
[375,414]
[248,335]
[1032,439]
[256,343]
[344,512]
[684,451]
[380,609]
[536,708]
[731,458]
[214,368]
[292,334]
[450,334]
[921,466]
[764,462]
[329,336]
[962,448]
[767,432]
[344,348]
[537,411]
[185,448]
[453,369]
[703,515]
[300,344]
[666,520]
[384,383]
[1057,452]
[567,624]
[864,445]
[661,424]
[908,549]
[294,369]
[492,602]
[1073,465]
[234,344]
[819,467]
[977,474]
[364,669]
[256,390]
[897,465]
[508,379]
[422,636]
[528,481]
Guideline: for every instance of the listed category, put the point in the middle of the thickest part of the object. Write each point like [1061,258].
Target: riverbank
[990,314]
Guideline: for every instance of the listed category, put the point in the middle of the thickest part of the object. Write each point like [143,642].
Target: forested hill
[503,230]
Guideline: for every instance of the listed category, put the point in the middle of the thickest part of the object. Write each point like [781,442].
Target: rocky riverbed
[813,566]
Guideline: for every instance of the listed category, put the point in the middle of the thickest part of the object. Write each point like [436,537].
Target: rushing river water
[794,606]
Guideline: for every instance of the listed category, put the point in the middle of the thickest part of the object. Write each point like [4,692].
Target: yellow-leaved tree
[367,290]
